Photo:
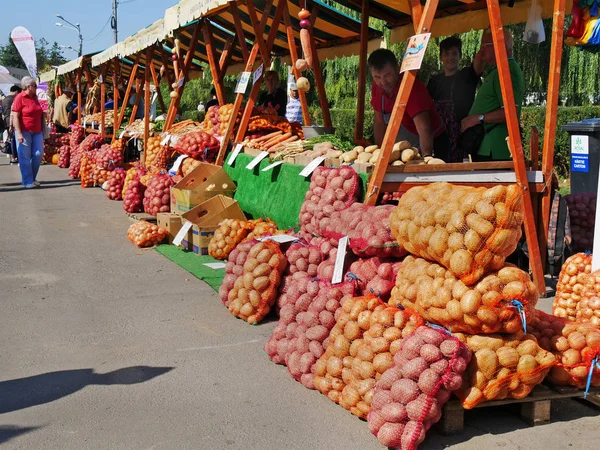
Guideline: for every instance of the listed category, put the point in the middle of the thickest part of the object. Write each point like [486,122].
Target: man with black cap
[62,107]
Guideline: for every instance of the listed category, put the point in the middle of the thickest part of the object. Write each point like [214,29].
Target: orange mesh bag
[468,230]
[361,348]
[503,366]
[129,177]
[86,171]
[234,269]
[410,395]
[146,234]
[100,175]
[588,308]
[256,290]
[571,284]
[118,144]
[109,158]
[576,347]
[499,302]
[261,227]
[229,234]
[157,196]
[152,150]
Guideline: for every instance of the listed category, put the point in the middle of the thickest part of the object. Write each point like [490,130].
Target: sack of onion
[588,308]
[146,234]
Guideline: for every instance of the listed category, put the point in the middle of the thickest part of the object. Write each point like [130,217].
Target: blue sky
[39,17]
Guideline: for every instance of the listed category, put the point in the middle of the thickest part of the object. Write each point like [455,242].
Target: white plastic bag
[534,30]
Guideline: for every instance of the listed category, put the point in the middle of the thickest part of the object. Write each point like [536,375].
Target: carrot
[280,145]
[278,139]
[306,49]
[267,137]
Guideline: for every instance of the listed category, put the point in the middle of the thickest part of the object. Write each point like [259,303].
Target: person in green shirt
[488,107]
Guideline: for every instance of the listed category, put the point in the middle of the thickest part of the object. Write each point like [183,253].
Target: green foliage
[46,57]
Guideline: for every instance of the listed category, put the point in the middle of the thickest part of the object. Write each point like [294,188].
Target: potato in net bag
[500,302]
[361,348]
[375,276]
[575,345]
[304,258]
[229,234]
[503,366]
[234,269]
[588,308]
[571,284]
[261,227]
[410,395]
[468,230]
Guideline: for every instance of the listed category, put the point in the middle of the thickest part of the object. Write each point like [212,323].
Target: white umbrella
[7,81]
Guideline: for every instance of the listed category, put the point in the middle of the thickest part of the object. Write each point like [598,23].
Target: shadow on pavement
[24,393]
[8,432]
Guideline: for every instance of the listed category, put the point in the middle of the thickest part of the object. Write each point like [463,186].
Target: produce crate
[534,409]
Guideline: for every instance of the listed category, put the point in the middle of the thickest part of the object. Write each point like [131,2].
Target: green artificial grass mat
[194,264]
[277,194]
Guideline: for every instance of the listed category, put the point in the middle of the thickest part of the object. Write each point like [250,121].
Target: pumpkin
[55,158]
[303,84]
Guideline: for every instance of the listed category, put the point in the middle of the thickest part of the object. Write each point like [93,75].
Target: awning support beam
[132,76]
[359,129]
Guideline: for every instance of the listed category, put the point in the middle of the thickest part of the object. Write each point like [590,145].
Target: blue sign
[580,163]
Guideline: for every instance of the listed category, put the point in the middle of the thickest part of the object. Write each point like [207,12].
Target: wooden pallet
[534,409]
[136,217]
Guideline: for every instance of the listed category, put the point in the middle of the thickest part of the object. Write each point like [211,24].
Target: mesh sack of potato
[368,228]
[261,227]
[503,366]
[375,276]
[468,230]
[86,171]
[157,197]
[498,303]
[234,269]
[146,234]
[64,156]
[130,176]
[571,284]
[582,215]
[100,175]
[133,199]
[188,165]
[303,258]
[328,247]
[254,293]
[153,147]
[410,395]
[114,187]
[229,234]
[588,308]
[360,349]
[330,190]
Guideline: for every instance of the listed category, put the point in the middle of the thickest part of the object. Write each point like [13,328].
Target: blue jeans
[30,152]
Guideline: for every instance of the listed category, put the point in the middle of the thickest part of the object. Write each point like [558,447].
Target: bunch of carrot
[271,142]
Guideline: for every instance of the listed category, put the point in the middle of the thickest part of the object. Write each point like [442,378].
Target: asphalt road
[104,346]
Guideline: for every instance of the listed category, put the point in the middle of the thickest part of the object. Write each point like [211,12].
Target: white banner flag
[25,44]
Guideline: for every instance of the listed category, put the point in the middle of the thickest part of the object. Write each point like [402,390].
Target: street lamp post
[75,27]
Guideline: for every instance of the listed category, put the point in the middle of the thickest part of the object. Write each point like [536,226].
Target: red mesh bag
[198,145]
[234,269]
[362,344]
[227,237]
[130,176]
[410,395]
[114,187]
[109,158]
[255,291]
[499,302]
[375,276]
[146,234]
[330,190]
[575,345]
[304,259]
[468,230]
[571,284]
[328,247]
[588,308]
[157,196]
[76,136]
[64,156]
[134,196]
[503,366]
[582,215]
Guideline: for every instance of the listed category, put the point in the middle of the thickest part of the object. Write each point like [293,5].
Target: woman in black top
[275,97]
[453,91]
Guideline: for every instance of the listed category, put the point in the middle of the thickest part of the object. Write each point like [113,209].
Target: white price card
[258,74]
[234,154]
[256,161]
[280,238]
[93,125]
[242,83]
[122,134]
[215,266]
[272,166]
[182,232]
[310,168]
[101,79]
[415,51]
[166,140]
[84,123]
[338,270]
[173,171]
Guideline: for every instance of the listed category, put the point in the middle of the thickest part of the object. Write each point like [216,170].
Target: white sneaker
[28,186]
[36,183]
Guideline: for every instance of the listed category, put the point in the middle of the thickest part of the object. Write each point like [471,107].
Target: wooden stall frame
[132,78]
[359,129]
[147,77]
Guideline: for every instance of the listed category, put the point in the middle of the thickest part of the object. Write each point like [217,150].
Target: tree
[55,57]
[9,55]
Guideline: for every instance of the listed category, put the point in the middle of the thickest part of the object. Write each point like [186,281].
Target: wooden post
[103,97]
[393,127]
[161,102]
[165,60]
[147,103]
[116,70]
[362,72]
[134,69]
[294,57]
[79,97]
[212,60]
[259,30]
[416,11]
[226,56]
[136,104]
[556,49]
[516,148]
[240,29]
[89,79]
[534,148]
[316,67]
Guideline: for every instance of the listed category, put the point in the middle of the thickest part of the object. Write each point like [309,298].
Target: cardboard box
[171,222]
[201,184]
[206,218]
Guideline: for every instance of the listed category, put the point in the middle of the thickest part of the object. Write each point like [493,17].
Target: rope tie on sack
[439,327]
[594,365]
[521,309]
[352,277]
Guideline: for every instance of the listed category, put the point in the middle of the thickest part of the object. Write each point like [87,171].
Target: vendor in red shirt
[421,124]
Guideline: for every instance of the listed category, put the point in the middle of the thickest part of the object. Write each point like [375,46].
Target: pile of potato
[115,183]
[575,345]
[226,238]
[303,259]
[188,165]
[402,153]
[361,348]
[485,307]
[100,175]
[503,366]
[152,149]
[234,269]
[261,227]
[109,158]
[375,276]
[256,290]
[64,156]
[133,200]
[588,308]
[146,234]
[571,284]
[327,247]
[157,197]
[130,176]
[410,395]
[469,230]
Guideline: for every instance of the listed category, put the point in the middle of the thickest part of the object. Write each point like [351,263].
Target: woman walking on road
[28,119]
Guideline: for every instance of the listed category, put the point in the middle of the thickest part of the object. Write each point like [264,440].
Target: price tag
[166,140]
[272,166]
[84,123]
[100,128]
[93,125]
[310,168]
[258,74]
[242,83]
[234,154]
[122,134]
[215,266]
[180,82]
[173,171]
[182,232]
[101,79]
[280,238]
[256,161]
[338,270]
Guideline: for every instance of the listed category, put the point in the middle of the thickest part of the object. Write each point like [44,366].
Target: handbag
[470,140]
